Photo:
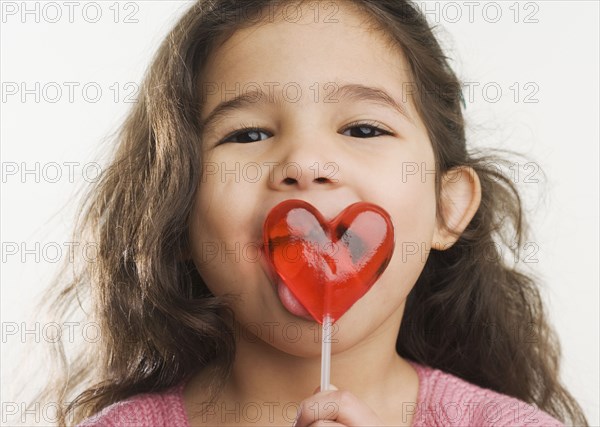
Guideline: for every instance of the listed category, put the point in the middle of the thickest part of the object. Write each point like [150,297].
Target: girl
[247,104]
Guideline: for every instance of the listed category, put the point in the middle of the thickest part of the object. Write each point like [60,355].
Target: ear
[460,198]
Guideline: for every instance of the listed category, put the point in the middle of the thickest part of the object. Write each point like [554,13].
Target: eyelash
[246,128]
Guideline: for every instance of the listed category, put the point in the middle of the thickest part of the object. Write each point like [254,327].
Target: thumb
[331,387]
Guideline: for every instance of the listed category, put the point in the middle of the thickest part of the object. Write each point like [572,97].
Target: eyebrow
[347,92]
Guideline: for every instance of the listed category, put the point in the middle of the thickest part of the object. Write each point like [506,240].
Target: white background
[557,56]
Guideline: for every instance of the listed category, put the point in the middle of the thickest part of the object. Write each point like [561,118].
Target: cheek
[414,219]
[414,216]
[413,212]
[407,192]
[411,203]
[222,235]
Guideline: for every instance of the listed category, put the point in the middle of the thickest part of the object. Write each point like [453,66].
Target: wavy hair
[161,324]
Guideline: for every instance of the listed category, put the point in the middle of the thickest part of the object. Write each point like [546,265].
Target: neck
[276,382]
[372,370]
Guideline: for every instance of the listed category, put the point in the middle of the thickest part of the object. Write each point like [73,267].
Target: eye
[246,135]
[365,130]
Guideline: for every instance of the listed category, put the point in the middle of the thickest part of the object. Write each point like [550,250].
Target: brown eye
[364,130]
[246,136]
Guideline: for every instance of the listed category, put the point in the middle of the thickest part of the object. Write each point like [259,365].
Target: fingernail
[297,416]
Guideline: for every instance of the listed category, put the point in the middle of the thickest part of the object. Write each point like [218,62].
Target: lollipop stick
[326,353]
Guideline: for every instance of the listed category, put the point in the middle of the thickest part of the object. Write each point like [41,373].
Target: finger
[322,423]
[335,405]
[331,387]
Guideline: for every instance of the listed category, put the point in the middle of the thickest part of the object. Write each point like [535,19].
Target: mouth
[285,295]
[291,303]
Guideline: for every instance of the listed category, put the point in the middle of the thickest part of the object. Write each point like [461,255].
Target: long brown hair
[159,321]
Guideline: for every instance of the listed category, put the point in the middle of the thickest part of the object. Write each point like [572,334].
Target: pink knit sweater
[443,400]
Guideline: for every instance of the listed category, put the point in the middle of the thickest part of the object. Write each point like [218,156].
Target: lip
[322,202]
[285,296]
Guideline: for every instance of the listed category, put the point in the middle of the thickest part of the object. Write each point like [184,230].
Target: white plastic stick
[326,353]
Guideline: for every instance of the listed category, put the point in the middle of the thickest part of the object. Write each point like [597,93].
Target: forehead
[316,49]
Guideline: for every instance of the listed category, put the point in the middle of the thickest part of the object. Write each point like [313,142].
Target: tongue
[290,302]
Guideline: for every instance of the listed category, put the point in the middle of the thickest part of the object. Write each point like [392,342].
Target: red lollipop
[328,266]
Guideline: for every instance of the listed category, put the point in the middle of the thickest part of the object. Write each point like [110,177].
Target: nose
[304,165]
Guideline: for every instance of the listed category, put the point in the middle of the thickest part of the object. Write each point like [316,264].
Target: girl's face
[335,125]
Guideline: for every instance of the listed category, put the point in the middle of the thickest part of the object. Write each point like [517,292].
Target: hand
[341,408]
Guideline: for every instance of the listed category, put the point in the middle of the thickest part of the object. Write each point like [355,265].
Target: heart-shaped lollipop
[328,266]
